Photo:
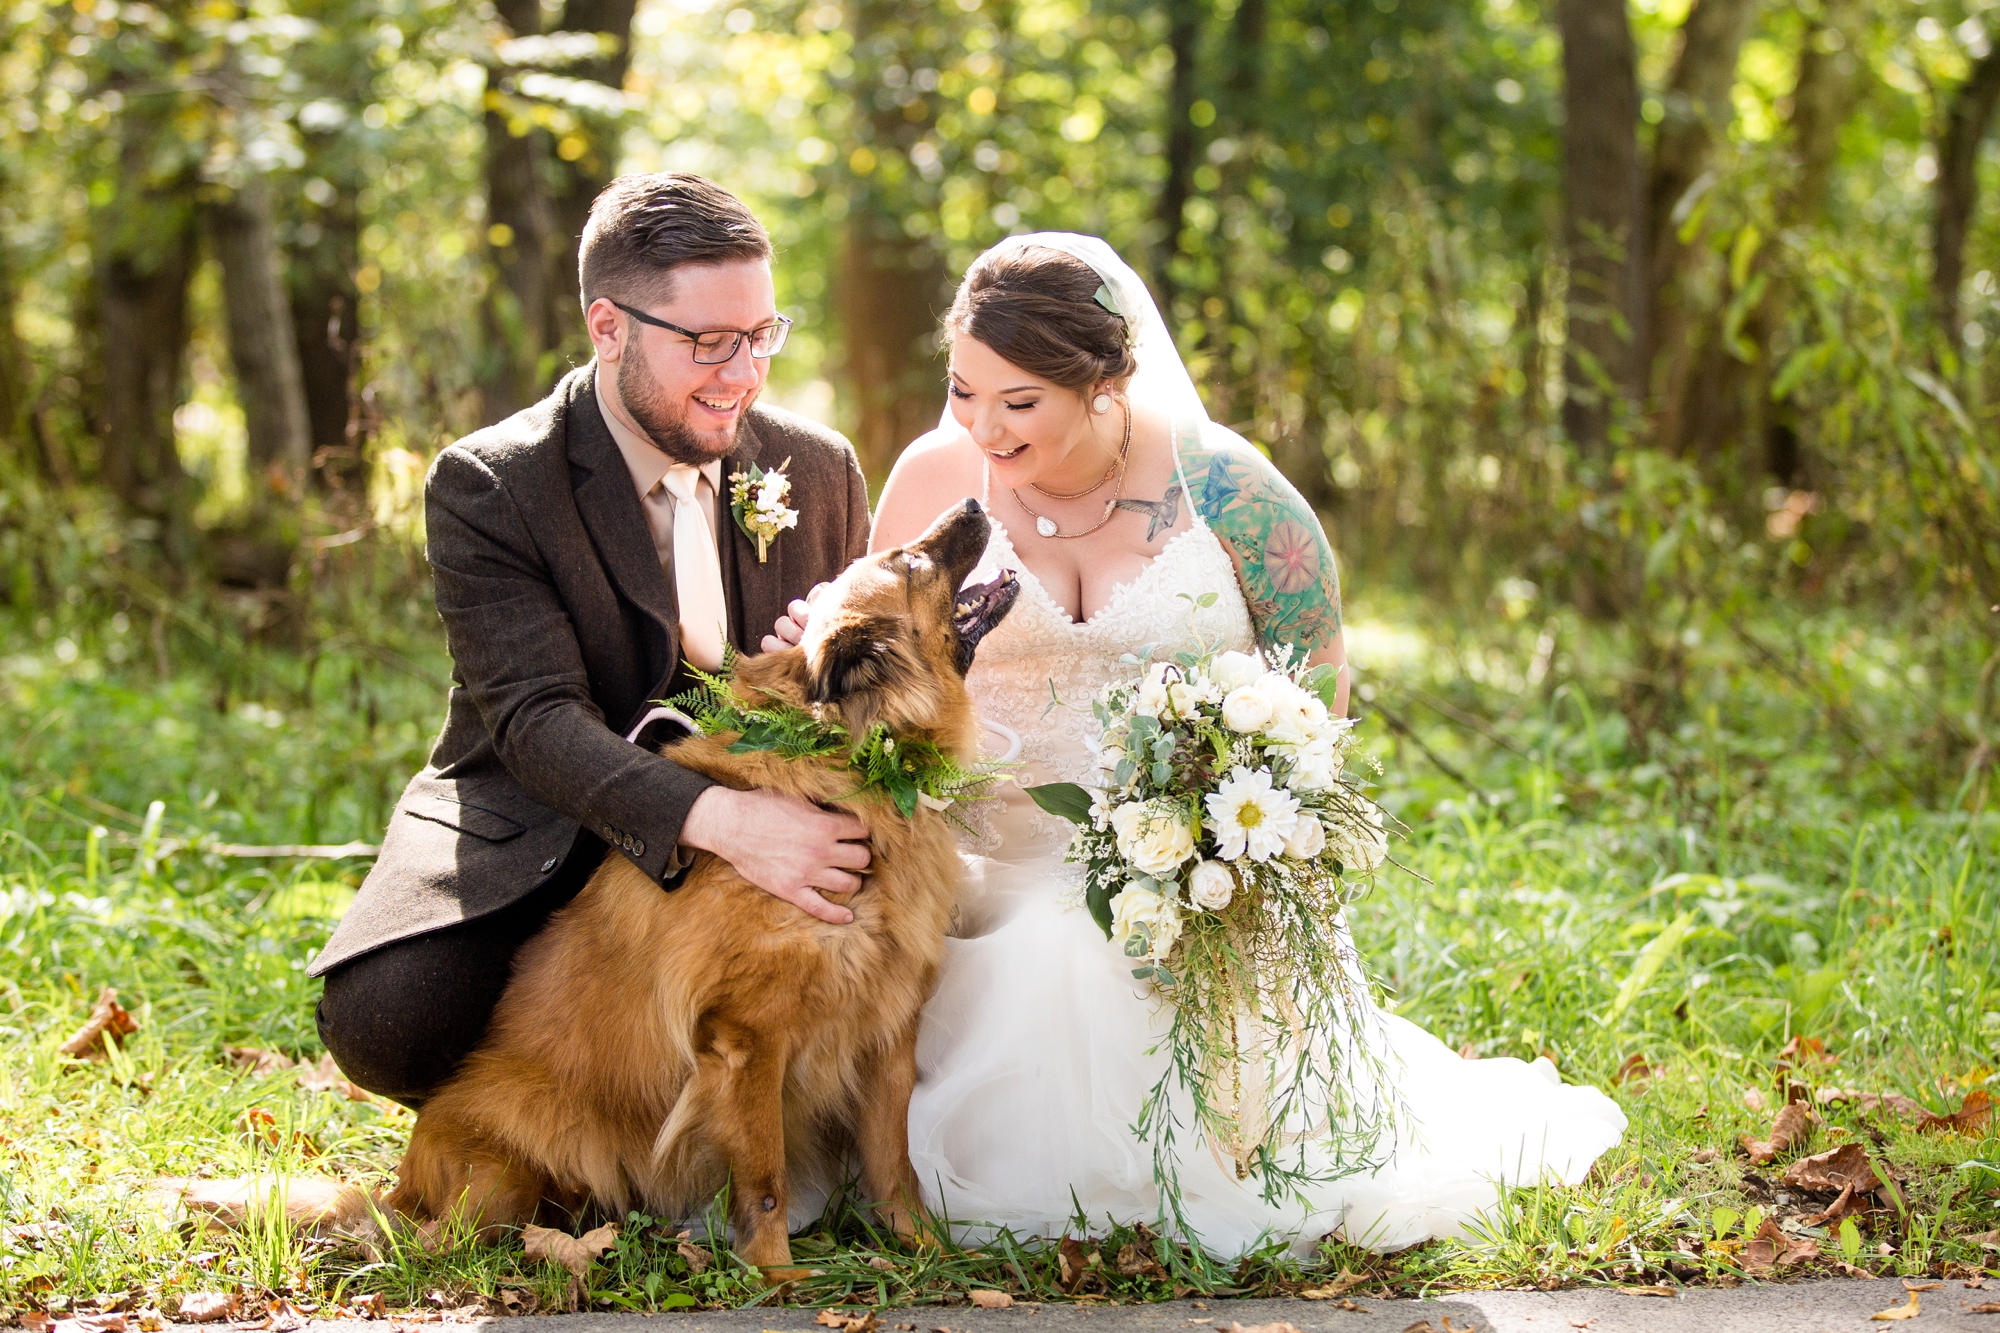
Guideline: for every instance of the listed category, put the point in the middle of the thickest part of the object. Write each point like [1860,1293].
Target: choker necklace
[1047,527]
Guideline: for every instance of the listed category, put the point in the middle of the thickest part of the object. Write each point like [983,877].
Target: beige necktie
[697,571]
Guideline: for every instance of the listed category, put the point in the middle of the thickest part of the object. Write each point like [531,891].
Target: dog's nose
[972,506]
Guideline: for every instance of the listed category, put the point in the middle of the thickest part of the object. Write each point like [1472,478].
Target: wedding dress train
[1033,1058]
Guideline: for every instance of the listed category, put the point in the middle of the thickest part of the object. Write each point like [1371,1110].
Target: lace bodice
[1040,653]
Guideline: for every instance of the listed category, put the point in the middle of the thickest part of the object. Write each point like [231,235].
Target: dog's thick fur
[652,1045]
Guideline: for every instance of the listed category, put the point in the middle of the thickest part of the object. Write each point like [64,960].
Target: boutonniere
[757,502]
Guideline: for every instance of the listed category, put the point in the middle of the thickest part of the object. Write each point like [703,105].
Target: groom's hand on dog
[791,626]
[785,846]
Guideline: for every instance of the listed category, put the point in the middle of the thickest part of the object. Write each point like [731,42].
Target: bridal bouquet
[1219,841]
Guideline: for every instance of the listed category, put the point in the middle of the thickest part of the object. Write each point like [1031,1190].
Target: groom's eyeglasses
[719,345]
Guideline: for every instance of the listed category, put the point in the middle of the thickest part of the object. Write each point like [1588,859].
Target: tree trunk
[262,341]
[586,166]
[1698,115]
[1183,32]
[325,315]
[1966,122]
[1822,103]
[16,445]
[142,254]
[1602,216]
[890,293]
[521,238]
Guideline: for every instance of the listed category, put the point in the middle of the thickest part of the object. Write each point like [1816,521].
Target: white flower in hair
[1250,816]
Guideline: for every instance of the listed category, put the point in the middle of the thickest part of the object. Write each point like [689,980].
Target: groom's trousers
[401,1018]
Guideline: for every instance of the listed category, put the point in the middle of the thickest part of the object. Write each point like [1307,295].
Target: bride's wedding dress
[1033,1058]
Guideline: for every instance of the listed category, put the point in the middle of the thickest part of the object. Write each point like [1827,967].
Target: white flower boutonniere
[757,502]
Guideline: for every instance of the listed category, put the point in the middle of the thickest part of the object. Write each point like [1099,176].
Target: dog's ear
[860,655]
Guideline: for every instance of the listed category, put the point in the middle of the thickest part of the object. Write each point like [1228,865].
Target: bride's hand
[791,626]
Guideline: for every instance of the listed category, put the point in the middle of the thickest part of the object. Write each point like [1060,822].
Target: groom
[584,554]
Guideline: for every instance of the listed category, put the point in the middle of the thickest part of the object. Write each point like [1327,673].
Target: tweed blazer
[563,627]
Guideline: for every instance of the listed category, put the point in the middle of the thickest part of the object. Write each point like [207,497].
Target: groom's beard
[667,426]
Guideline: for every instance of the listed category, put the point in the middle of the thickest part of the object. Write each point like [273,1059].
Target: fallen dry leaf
[108,1025]
[1666,1292]
[1802,1052]
[1990,1307]
[1921,1286]
[1281,1326]
[576,1253]
[1636,1069]
[326,1077]
[1136,1262]
[1468,1052]
[848,1321]
[1583,1323]
[882,1263]
[1849,1204]
[149,1320]
[993,1300]
[253,1060]
[518,1300]
[370,1306]
[36,1322]
[1973,1116]
[1340,1286]
[205,1307]
[1834,1171]
[1910,1311]
[696,1258]
[1789,1129]
[1772,1249]
[284,1317]
[1704,1157]
[92,1323]
[1870,1102]
[1075,1264]
[1752,1099]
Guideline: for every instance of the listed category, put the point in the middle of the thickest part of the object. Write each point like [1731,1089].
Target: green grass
[1763,834]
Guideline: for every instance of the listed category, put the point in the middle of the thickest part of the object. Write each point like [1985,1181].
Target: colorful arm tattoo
[1283,559]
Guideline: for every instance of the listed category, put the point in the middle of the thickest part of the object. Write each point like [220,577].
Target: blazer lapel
[611,511]
[755,589]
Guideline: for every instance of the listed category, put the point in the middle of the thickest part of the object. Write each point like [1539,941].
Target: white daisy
[1248,815]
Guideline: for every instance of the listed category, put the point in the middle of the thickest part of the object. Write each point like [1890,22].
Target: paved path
[1839,1305]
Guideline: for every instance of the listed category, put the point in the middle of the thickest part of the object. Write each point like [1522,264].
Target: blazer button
[638,846]
[610,834]
[551,864]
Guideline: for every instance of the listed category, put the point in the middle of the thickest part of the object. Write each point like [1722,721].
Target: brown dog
[652,1045]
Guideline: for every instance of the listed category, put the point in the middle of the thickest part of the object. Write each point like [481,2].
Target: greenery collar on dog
[909,772]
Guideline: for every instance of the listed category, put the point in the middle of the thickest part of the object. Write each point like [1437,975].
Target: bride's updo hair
[1036,307]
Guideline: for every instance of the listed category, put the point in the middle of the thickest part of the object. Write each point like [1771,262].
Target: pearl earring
[1101,404]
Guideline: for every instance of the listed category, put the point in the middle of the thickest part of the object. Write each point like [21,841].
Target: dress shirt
[647,466]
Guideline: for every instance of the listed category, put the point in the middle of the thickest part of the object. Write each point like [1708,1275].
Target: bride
[1118,502]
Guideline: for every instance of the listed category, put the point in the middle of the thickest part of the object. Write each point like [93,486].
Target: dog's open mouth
[978,608]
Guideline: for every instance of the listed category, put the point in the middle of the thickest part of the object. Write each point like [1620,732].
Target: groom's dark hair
[642,228]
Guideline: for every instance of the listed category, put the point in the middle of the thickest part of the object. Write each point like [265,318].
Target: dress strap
[1186,435]
[985,482]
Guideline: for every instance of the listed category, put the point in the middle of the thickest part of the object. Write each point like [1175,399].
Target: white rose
[1152,836]
[1296,714]
[1234,670]
[1246,709]
[1148,915]
[1211,886]
[1307,840]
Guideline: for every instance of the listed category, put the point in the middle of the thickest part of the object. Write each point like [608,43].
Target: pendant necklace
[1047,527]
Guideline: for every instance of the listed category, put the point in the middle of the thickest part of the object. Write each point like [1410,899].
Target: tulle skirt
[1033,1065]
